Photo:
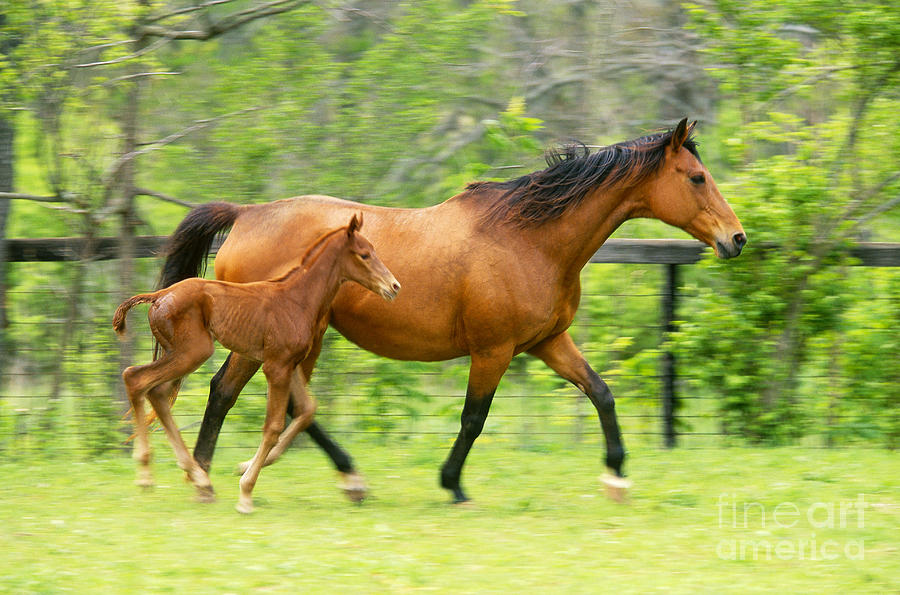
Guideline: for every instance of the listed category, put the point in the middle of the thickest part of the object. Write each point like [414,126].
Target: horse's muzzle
[732,248]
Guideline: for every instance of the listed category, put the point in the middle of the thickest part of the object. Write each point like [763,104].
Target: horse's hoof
[616,487]
[144,483]
[353,486]
[206,494]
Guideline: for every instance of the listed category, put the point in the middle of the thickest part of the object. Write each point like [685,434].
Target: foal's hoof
[242,468]
[616,487]
[353,486]
[244,506]
[144,479]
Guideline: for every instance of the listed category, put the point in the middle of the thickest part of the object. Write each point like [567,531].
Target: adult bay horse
[490,273]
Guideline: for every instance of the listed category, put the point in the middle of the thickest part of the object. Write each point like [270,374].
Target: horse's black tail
[189,245]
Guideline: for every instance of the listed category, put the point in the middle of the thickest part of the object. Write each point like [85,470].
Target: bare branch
[882,208]
[137,75]
[187,10]
[165,197]
[153,46]
[64,197]
[156,145]
[225,24]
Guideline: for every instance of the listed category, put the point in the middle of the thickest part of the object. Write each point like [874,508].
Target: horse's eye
[364,256]
[698,179]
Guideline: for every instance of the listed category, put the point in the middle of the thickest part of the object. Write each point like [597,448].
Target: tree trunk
[6,185]
[127,188]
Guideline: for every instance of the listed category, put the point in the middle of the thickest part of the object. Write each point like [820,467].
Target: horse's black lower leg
[222,395]
[474,413]
[600,395]
[338,455]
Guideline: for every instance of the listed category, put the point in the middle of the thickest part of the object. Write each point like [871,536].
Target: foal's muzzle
[390,291]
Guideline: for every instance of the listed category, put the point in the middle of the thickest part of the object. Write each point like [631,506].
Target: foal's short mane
[573,172]
[312,253]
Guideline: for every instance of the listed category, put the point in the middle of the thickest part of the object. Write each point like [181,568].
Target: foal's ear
[680,134]
[355,224]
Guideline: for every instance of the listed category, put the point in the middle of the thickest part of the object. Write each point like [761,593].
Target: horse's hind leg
[161,398]
[560,353]
[224,389]
[141,451]
[352,482]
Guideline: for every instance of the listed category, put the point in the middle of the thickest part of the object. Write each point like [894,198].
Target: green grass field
[699,521]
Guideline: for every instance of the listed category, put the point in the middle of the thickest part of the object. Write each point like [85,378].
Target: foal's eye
[698,179]
[364,256]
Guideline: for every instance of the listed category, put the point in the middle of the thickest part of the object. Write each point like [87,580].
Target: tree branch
[158,144]
[187,10]
[164,197]
[127,77]
[153,46]
[223,25]
[64,197]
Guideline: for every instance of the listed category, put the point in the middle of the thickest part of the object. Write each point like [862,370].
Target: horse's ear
[355,224]
[680,134]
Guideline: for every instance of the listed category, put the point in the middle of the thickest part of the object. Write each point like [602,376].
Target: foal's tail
[190,243]
[124,307]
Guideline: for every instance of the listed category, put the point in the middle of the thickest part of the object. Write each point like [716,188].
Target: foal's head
[683,194]
[359,263]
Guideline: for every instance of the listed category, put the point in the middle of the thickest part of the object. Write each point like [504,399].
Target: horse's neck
[314,285]
[578,234]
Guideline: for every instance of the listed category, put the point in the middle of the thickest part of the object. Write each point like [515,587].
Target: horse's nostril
[739,239]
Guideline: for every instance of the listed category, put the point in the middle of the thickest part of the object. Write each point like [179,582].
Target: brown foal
[274,322]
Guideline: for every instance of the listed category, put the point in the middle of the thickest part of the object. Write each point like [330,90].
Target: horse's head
[685,195]
[362,265]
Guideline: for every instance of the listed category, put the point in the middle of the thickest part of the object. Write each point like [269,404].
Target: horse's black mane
[572,172]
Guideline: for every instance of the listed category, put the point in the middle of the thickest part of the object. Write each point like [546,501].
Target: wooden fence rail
[871,254]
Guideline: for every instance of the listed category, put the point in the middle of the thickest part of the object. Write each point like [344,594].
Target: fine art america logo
[825,521]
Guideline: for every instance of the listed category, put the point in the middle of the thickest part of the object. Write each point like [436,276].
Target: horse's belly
[398,330]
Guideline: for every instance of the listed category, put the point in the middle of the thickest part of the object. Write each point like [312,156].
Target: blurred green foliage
[405,103]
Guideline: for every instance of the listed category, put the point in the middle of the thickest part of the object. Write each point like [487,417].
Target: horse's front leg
[485,373]
[560,353]
[278,376]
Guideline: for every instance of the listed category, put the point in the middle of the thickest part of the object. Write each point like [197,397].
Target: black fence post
[669,398]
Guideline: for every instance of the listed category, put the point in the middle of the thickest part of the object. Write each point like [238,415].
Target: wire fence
[61,388]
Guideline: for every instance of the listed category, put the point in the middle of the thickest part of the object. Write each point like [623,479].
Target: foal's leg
[141,380]
[278,377]
[161,398]
[303,407]
[141,452]
[224,389]
[560,353]
[352,482]
[484,376]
